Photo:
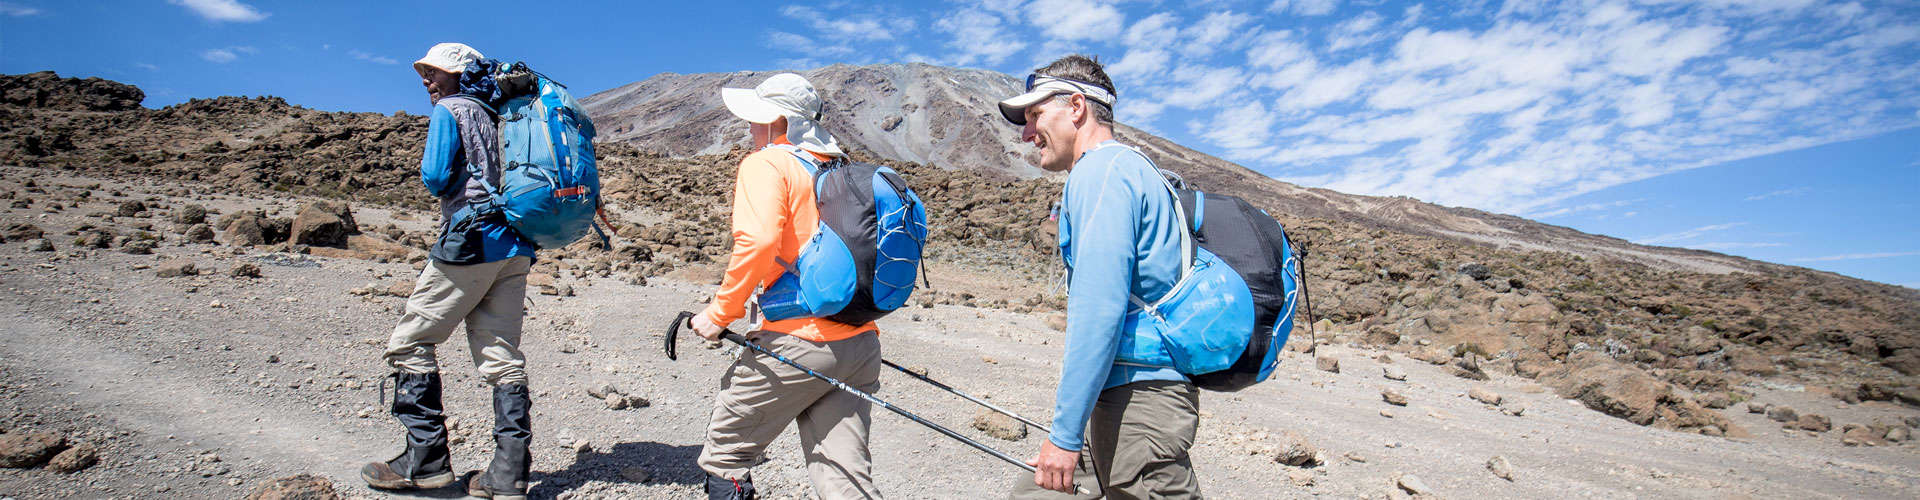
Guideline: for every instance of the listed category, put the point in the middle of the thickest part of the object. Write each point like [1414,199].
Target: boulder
[1500,467]
[1626,392]
[1297,453]
[1393,398]
[1476,270]
[190,215]
[1468,367]
[39,245]
[323,224]
[244,270]
[1484,396]
[20,450]
[1412,485]
[16,231]
[1815,423]
[75,459]
[1327,363]
[1860,435]
[244,230]
[176,268]
[130,208]
[1393,373]
[199,233]
[1001,426]
[300,487]
[1782,413]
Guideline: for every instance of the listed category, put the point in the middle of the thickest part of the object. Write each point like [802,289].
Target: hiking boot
[720,488]
[506,477]
[424,463]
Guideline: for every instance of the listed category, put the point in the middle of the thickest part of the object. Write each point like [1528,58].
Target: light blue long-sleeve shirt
[444,171]
[1119,233]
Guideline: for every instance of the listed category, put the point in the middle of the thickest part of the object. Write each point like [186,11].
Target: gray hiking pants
[760,395]
[1137,442]
[488,296]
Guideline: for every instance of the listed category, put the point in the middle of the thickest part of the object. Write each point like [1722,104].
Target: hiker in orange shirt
[773,215]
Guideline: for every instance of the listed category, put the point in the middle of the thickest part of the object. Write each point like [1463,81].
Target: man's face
[1050,127]
[439,83]
[764,133]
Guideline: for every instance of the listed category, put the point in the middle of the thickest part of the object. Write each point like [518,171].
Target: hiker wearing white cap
[477,274]
[773,215]
[1123,418]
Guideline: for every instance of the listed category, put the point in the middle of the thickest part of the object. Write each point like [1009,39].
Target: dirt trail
[279,378]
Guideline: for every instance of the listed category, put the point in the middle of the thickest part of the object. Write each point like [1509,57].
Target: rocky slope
[1654,344]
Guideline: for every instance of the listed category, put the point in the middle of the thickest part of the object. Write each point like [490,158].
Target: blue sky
[1783,130]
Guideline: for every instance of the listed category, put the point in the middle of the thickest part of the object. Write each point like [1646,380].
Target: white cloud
[1687,234]
[222,10]
[1327,87]
[978,37]
[1205,87]
[14,10]
[1858,256]
[1075,20]
[1157,31]
[1305,7]
[1731,245]
[1139,64]
[1784,192]
[146,66]
[1645,105]
[363,56]
[1217,31]
[861,28]
[1357,32]
[226,55]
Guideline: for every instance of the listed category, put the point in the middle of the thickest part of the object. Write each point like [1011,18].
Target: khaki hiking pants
[1137,442]
[488,297]
[759,395]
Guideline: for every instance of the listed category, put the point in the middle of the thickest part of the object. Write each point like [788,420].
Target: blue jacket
[1120,235]
[445,168]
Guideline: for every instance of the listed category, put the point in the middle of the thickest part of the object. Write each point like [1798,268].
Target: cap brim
[748,105]
[1014,109]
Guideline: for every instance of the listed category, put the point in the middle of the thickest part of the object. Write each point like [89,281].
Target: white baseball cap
[787,95]
[1040,87]
[451,57]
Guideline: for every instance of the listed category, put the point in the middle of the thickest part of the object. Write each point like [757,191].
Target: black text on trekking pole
[956,392]
[685,318]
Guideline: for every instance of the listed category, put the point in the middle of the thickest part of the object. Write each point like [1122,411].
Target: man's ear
[1078,103]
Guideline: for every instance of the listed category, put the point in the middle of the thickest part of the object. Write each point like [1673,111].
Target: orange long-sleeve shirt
[773,214]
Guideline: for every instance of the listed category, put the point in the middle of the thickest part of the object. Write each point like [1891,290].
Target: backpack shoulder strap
[806,158]
[1186,233]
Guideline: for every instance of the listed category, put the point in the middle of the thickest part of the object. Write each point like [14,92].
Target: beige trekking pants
[759,395]
[487,296]
[1137,443]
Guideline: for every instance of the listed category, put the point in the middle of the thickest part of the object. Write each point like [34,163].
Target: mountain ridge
[945,117]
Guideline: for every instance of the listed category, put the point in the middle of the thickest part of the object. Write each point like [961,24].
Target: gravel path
[207,386]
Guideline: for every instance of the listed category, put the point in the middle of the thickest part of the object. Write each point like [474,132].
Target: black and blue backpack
[1251,242]
[549,187]
[1225,320]
[864,256]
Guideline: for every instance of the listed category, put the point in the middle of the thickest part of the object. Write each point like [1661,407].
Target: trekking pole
[956,392]
[686,318]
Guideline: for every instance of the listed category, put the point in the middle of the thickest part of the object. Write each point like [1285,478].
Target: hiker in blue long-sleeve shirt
[477,275]
[1123,417]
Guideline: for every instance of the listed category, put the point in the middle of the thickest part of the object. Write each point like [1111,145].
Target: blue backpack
[549,185]
[1227,317]
[865,254]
